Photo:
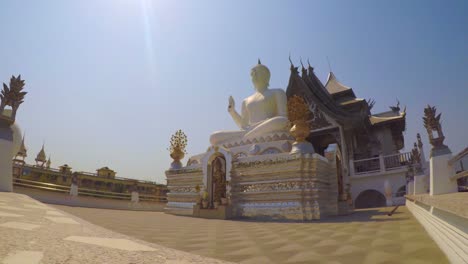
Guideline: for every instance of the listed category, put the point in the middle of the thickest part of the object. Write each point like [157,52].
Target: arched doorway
[370,199]
[217,181]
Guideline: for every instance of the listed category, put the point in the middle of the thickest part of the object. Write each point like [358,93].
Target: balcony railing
[86,191]
[398,160]
[367,165]
[380,164]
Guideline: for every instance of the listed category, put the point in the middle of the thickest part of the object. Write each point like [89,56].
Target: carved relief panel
[317,118]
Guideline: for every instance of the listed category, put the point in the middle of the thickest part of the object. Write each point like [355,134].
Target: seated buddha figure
[262,113]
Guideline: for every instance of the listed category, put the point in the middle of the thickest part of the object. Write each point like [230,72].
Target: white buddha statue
[262,113]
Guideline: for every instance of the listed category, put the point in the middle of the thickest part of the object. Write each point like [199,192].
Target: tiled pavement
[33,233]
[367,236]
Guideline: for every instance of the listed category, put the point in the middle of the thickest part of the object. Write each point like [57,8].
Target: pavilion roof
[311,88]
[41,156]
[333,86]
[23,151]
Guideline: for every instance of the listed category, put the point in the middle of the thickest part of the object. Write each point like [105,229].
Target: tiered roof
[339,101]
[22,151]
[41,156]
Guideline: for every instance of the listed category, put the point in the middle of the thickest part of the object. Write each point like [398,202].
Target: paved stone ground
[32,233]
[367,236]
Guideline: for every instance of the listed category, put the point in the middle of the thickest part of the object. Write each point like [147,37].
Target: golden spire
[48,162]
[22,151]
[41,156]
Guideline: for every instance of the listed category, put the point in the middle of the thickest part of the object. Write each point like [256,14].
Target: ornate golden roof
[22,151]
[41,156]
[48,163]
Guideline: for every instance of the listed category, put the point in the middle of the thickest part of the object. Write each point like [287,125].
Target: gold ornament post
[298,114]
[177,148]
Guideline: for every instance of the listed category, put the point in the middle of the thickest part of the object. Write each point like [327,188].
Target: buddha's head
[260,76]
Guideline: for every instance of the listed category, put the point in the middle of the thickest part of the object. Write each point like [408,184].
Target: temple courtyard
[366,236]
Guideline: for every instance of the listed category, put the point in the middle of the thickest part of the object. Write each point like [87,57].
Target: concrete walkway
[32,233]
[367,236]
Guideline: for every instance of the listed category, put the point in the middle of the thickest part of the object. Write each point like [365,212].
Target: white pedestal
[410,188]
[441,172]
[302,147]
[6,166]
[74,190]
[420,185]
[135,197]
[389,202]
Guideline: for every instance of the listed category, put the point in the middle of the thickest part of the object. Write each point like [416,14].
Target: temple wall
[182,194]
[284,188]
[280,186]
[384,135]
[361,183]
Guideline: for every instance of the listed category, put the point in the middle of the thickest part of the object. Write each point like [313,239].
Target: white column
[6,165]
[135,197]
[388,192]
[410,188]
[420,184]
[351,167]
[74,190]
[382,163]
[441,172]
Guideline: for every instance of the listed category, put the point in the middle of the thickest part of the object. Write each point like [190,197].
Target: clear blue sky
[110,81]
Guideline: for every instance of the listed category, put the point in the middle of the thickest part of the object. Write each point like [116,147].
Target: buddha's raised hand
[231,106]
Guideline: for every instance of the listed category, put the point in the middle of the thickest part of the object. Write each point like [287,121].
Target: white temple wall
[277,186]
[376,182]
[182,193]
[384,135]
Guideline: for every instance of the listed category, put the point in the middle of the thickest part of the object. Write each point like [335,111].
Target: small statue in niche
[219,181]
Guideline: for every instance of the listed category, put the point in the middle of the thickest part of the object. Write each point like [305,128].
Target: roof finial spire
[293,69]
[259,62]
[309,67]
[304,71]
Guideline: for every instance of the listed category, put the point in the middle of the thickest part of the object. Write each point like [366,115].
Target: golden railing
[41,185]
[85,191]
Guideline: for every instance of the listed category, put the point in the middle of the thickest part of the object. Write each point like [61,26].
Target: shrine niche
[217,182]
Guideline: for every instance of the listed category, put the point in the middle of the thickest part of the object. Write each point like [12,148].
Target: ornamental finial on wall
[298,114]
[177,148]
[434,130]
[12,96]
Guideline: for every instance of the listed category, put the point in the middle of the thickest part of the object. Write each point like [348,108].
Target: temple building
[370,143]
[103,180]
[347,157]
